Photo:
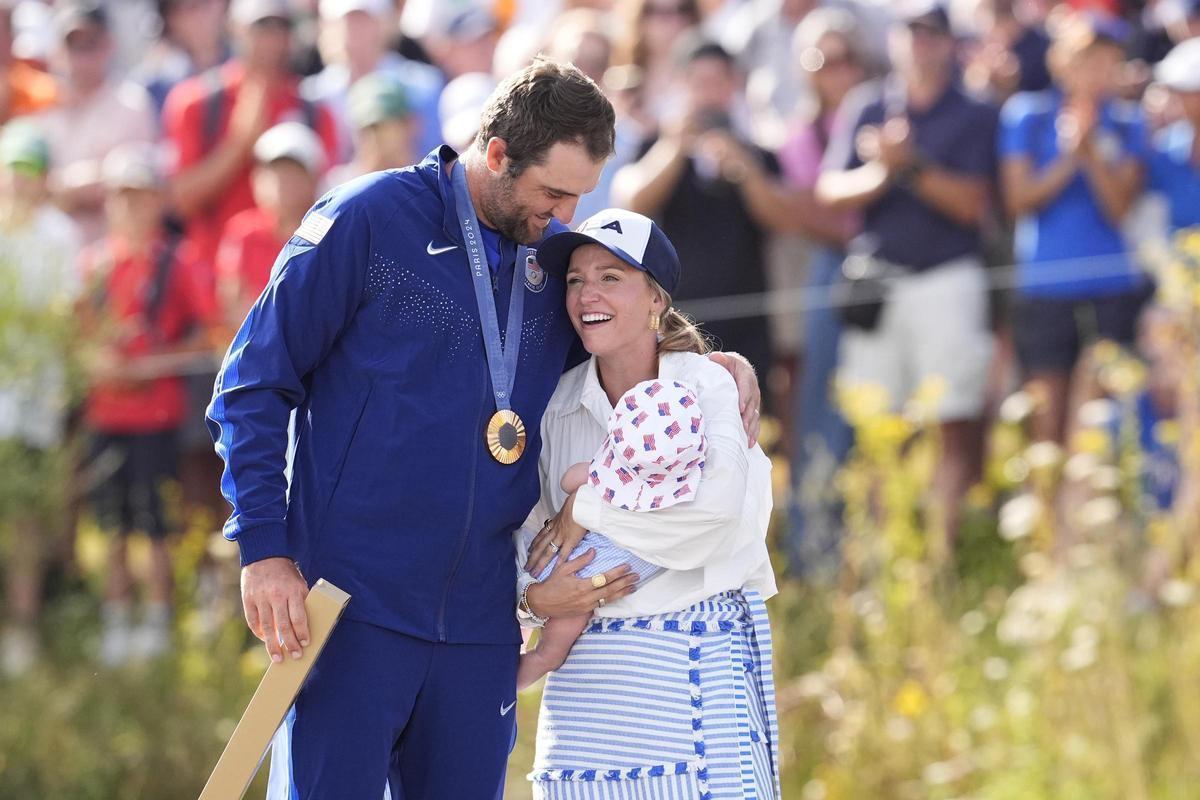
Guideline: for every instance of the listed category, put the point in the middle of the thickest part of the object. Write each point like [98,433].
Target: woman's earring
[655,322]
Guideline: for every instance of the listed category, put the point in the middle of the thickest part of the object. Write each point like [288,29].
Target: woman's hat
[654,453]
[631,237]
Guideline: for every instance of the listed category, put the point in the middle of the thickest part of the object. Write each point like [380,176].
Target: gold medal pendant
[505,436]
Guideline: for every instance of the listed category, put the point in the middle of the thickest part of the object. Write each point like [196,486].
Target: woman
[828,56]
[1072,164]
[668,690]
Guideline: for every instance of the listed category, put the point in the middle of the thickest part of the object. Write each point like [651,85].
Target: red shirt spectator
[123,282]
[248,250]
[194,136]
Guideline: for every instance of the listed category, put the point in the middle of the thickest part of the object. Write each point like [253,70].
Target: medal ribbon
[501,359]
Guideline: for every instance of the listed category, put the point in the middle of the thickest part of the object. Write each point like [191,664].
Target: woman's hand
[563,594]
[558,536]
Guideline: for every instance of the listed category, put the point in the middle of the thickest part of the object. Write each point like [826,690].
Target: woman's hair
[677,332]
[632,48]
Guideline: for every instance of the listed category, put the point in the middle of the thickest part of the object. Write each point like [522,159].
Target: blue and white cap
[631,237]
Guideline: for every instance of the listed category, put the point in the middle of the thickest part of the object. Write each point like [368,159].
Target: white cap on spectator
[294,141]
[1180,70]
[136,165]
[461,20]
[248,12]
[336,9]
[460,105]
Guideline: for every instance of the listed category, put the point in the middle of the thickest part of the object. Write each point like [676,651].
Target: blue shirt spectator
[957,133]
[1175,174]
[1048,244]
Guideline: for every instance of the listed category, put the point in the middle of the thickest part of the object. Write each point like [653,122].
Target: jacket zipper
[466,533]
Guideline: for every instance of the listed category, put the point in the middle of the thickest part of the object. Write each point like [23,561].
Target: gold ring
[599,581]
[555,547]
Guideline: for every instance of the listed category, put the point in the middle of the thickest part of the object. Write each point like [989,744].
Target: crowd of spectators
[944,193]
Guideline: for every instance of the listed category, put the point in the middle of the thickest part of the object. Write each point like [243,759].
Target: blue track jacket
[372,334]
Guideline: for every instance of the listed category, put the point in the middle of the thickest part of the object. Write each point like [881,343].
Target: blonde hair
[677,332]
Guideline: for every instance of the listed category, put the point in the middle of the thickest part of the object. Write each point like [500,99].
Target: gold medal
[505,436]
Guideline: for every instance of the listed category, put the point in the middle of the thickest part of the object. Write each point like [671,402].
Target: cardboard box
[274,696]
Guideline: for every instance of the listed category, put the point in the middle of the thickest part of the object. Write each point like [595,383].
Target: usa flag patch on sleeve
[314,227]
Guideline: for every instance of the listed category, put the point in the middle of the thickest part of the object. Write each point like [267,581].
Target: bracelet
[524,610]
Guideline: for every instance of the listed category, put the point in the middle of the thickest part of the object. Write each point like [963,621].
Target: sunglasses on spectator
[82,42]
[667,11]
[273,24]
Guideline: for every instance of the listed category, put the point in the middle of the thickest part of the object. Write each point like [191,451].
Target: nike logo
[434,251]
[504,709]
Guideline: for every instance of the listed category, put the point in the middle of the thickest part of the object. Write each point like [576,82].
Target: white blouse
[714,543]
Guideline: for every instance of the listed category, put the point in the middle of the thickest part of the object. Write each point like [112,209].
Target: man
[381,327]
[289,161]
[385,127]
[213,120]
[109,112]
[915,156]
[39,278]
[1175,159]
[703,177]
[354,44]
[146,303]
[24,89]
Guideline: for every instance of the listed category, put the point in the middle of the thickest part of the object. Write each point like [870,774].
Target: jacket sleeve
[688,535]
[315,289]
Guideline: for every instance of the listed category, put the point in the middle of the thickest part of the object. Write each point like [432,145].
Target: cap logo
[615,225]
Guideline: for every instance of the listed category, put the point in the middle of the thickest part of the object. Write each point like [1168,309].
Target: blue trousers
[821,438]
[426,720]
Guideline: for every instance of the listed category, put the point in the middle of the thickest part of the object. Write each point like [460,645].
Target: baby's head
[654,452]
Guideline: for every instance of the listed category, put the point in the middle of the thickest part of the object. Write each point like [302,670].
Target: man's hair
[542,105]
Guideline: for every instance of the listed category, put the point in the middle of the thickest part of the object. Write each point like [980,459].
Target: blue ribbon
[501,358]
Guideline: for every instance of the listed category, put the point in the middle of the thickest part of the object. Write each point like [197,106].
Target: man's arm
[203,177]
[645,185]
[314,292]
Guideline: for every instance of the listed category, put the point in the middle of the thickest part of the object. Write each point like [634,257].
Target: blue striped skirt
[677,706]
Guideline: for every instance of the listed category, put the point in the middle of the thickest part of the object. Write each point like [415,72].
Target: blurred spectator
[826,55]
[24,89]
[213,120]
[701,175]
[461,37]
[384,127]
[773,87]
[191,40]
[917,157]
[460,105]
[653,30]
[1073,161]
[1175,161]
[353,43]
[1009,55]
[37,274]
[146,312]
[1157,406]
[289,162]
[1183,19]
[581,37]
[91,101]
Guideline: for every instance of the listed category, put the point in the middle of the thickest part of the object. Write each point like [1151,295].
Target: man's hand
[749,394]
[896,149]
[564,594]
[273,592]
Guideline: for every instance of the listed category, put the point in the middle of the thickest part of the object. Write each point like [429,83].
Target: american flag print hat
[653,455]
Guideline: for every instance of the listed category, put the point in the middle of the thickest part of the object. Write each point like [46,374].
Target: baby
[652,458]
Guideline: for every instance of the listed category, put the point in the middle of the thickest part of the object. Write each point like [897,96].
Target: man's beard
[506,215]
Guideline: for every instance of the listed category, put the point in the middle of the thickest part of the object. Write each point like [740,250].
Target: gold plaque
[505,436]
